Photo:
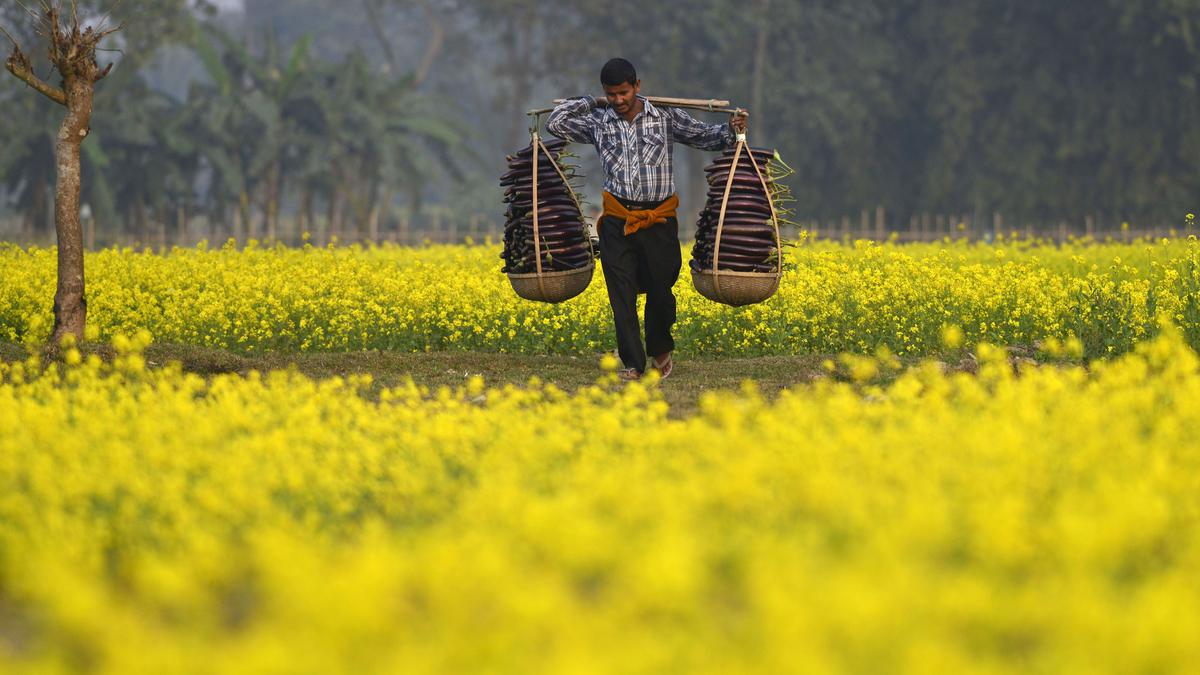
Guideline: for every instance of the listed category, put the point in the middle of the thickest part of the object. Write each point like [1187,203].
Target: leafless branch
[18,65]
[435,44]
[376,24]
[28,11]
[107,15]
[72,49]
[52,24]
[105,33]
[10,38]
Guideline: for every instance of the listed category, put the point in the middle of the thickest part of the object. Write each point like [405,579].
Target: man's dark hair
[617,71]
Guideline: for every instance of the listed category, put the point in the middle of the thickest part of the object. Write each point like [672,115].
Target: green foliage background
[1041,111]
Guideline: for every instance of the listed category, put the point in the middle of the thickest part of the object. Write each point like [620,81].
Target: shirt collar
[649,110]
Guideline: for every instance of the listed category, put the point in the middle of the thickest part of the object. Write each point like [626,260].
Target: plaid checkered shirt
[636,155]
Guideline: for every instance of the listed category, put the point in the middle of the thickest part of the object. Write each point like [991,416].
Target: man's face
[621,97]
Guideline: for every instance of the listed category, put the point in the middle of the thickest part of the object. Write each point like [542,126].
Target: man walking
[639,233]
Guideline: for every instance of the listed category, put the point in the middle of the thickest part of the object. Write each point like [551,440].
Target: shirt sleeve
[693,132]
[571,120]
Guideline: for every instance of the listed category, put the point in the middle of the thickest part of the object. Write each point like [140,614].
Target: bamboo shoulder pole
[708,105]
[666,100]
[705,103]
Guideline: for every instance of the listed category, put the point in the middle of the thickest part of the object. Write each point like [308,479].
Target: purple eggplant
[717,192]
[557,201]
[757,231]
[526,194]
[527,151]
[722,166]
[733,267]
[739,239]
[746,179]
[761,154]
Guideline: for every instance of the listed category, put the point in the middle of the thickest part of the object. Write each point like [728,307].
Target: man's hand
[738,122]
[601,101]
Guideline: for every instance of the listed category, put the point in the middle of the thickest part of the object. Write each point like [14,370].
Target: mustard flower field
[1029,516]
[835,298]
[1046,521]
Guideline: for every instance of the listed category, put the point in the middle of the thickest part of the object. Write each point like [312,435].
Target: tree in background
[73,54]
[273,121]
[27,170]
[1042,111]
[129,112]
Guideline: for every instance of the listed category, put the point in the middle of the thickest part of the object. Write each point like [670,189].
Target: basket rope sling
[740,288]
[548,285]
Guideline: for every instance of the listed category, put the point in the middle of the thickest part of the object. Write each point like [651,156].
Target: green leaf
[93,151]
[263,108]
[228,173]
[431,128]
[212,63]
[298,62]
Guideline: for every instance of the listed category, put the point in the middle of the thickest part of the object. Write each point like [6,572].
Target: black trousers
[647,261]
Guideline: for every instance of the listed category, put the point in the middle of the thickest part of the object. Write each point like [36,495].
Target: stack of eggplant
[748,237]
[563,235]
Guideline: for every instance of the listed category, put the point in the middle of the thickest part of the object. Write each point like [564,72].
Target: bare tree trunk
[73,53]
[274,188]
[414,204]
[236,227]
[373,224]
[218,217]
[243,227]
[161,217]
[322,233]
[437,37]
[142,223]
[371,206]
[331,216]
[337,199]
[381,212]
[358,201]
[306,211]
[70,304]
[337,223]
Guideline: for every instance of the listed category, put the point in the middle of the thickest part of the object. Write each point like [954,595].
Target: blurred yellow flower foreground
[151,522]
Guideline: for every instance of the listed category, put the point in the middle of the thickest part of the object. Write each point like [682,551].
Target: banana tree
[245,121]
[142,161]
[346,132]
[384,136]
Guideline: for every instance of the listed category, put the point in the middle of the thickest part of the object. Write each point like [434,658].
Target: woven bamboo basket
[739,288]
[552,286]
[542,285]
[735,288]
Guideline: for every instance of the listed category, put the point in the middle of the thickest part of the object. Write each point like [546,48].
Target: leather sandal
[663,367]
